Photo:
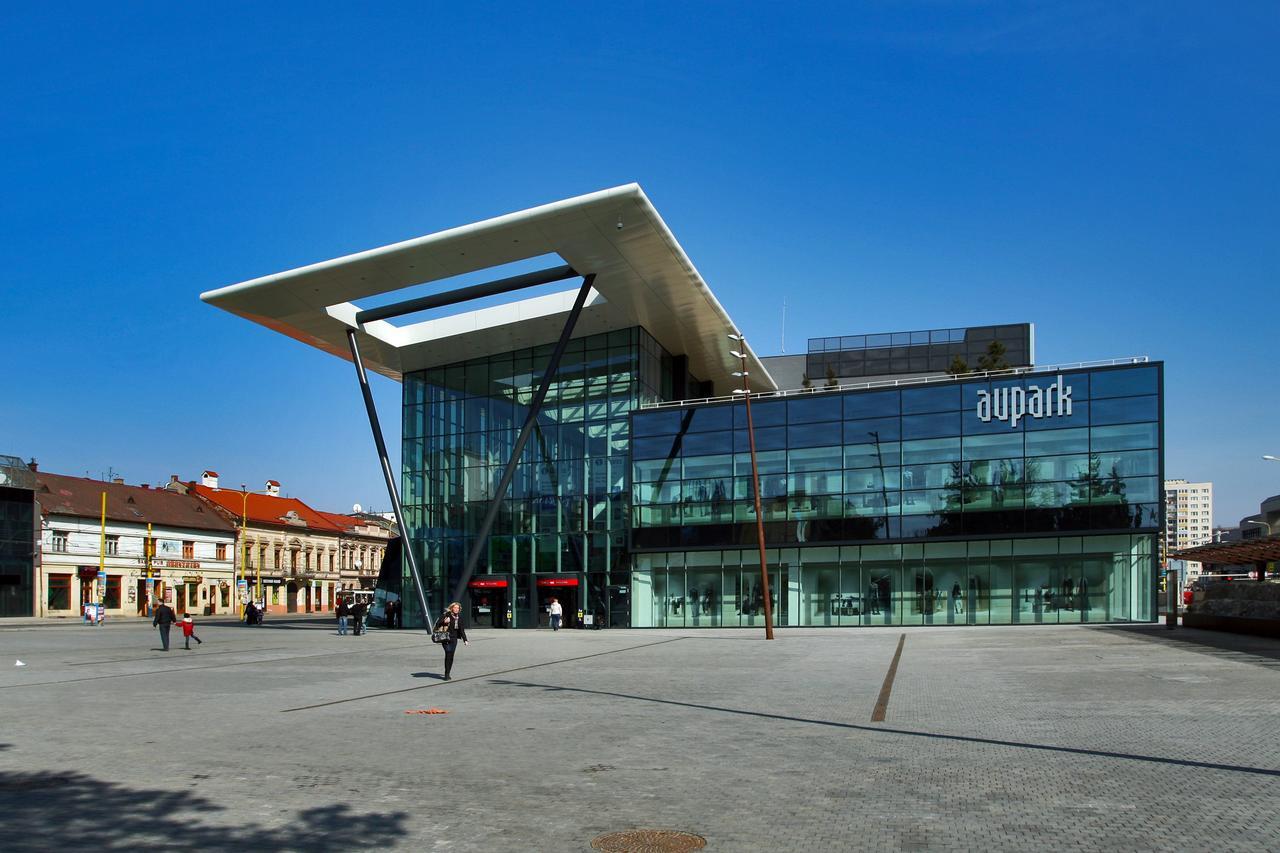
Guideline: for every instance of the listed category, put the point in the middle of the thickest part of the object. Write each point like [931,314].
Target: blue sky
[1105,170]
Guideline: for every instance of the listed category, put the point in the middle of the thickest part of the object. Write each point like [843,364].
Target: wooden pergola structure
[1253,552]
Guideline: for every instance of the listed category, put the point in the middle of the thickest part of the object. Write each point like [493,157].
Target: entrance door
[619,607]
[489,607]
[143,605]
[569,596]
[291,593]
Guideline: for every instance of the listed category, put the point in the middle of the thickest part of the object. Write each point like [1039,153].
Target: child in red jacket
[189,631]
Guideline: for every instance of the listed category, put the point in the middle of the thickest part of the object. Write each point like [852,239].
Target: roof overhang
[643,278]
[1245,552]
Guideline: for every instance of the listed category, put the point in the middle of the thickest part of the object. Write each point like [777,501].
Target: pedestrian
[163,619]
[344,612]
[557,613]
[393,614]
[357,617]
[451,622]
[250,614]
[189,632]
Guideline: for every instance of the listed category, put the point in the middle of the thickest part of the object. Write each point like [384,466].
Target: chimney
[146,485]
[33,465]
[273,488]
[119,481]
[209,479]
[173,478]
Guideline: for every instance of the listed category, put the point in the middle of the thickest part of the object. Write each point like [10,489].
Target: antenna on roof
[784,325]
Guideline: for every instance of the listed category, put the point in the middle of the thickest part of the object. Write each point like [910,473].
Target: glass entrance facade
[567,509]
[1026,500]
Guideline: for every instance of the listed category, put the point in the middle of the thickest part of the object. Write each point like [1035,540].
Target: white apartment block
[1188,518]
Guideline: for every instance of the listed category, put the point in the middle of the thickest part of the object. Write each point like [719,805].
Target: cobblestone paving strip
[882,701]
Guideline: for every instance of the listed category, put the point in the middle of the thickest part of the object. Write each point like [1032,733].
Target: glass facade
[563,526]
[1018,474]
[1031,499]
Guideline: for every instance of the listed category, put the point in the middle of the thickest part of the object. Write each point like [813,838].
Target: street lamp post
[1262,565]
[244,545]
[745,391]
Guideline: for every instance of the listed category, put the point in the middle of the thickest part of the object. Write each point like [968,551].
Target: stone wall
[1248,599]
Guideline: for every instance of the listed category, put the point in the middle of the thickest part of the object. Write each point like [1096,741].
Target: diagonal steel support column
[535,406]
[406,541]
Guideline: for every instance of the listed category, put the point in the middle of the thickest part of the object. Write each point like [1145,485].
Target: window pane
[653,448]
[763,413]
[872,455]
[814,435]
[1125,410]
[706,418]
[1128,437]
[871,404]
[882,429]
[1129,463]
[996,446]
[931,450]
[656,423]
[928,426]
[919,400]
[1047,442]
[1125,383]
[819,408]
[815,458]
[706,443]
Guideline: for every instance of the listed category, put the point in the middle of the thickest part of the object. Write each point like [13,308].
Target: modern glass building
[907,505]
[1028,496]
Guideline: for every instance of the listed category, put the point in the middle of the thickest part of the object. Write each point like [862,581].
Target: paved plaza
[290,737]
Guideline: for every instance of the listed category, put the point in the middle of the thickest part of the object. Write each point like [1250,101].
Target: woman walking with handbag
[449,628]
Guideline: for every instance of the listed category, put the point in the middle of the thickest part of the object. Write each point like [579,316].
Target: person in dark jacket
[452,622]
[357,617]
[163,619]
[344,611]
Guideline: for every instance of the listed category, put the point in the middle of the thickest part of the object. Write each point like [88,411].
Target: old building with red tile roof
[297,559]
[155,544]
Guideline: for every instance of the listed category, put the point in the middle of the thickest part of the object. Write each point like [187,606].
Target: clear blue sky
[1106,170]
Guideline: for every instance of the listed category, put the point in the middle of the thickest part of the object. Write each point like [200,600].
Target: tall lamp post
[745,391]
[1262,566]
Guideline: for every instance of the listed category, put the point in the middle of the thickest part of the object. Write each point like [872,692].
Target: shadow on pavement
[1069,750]
[1242,648]
[44,811]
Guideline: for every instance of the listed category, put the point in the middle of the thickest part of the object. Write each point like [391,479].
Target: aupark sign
[1014,404]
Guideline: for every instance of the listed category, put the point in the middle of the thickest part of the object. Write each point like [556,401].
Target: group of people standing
[352,612]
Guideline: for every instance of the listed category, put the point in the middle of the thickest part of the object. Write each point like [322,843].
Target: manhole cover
[648,841]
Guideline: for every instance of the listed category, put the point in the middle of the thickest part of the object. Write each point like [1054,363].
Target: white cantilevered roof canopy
[642,278]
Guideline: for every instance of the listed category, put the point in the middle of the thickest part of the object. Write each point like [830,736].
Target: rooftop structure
[642,278]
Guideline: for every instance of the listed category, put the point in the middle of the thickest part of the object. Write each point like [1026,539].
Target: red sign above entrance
[488,584]
[569,581]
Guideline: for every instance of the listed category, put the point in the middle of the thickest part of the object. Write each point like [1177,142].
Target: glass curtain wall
[1050,580]
[935,462]
[568,505]
[897,503]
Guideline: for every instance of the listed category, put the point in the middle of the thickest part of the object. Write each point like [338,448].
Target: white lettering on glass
[1014,404]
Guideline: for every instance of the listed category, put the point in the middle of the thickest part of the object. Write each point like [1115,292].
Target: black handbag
[440,633]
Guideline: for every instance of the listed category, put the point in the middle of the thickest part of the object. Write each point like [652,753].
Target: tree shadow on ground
[1243,648]
[44,811]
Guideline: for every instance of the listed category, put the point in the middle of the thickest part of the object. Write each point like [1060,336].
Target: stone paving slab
[290,737]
